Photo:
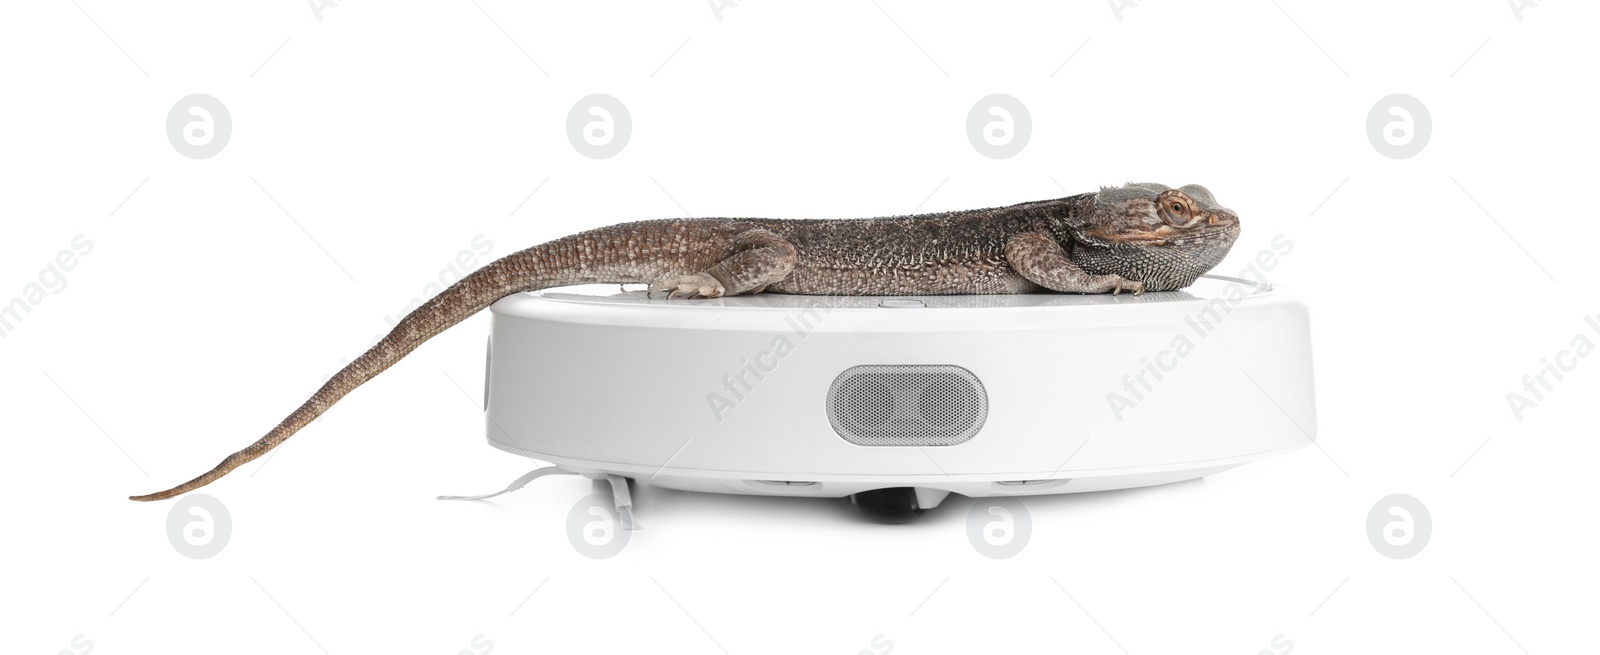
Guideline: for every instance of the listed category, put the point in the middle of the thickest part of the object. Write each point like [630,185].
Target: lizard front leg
[1037,257]
[758,258]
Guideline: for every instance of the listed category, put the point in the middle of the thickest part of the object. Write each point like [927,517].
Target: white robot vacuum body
[913,397]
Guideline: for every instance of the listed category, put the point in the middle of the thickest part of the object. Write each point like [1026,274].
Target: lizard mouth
[1203,226]
[1159,235]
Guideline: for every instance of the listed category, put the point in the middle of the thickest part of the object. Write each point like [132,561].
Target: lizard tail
[539,267]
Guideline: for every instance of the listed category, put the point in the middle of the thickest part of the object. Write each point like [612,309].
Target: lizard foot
[1124,284]
[697,285]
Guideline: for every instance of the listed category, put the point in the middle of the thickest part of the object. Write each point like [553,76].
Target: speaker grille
[907,405]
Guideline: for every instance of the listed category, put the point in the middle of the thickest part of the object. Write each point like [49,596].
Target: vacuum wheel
[892,505]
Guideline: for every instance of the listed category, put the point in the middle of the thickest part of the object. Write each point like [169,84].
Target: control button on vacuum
[901,303]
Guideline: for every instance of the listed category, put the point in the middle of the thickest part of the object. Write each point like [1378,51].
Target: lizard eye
[1177,209]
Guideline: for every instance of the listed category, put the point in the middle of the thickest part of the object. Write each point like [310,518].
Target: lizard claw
[697,285]
[1137,288]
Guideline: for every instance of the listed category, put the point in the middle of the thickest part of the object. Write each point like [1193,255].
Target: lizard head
[1152,233]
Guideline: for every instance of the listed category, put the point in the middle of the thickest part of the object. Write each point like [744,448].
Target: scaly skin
[1132,238]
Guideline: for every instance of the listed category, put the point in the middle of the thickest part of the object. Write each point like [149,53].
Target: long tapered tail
[529,269]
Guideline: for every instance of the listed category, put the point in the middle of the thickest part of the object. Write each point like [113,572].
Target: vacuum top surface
[1207,288]
[1209,298]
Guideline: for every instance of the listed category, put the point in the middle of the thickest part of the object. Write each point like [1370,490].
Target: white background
[393,133]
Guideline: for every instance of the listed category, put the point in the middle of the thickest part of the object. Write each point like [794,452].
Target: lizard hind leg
[755,259]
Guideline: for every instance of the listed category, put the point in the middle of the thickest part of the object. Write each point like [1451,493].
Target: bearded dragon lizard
[1134,238]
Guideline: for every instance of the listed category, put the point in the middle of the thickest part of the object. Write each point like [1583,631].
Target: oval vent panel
[907,405]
